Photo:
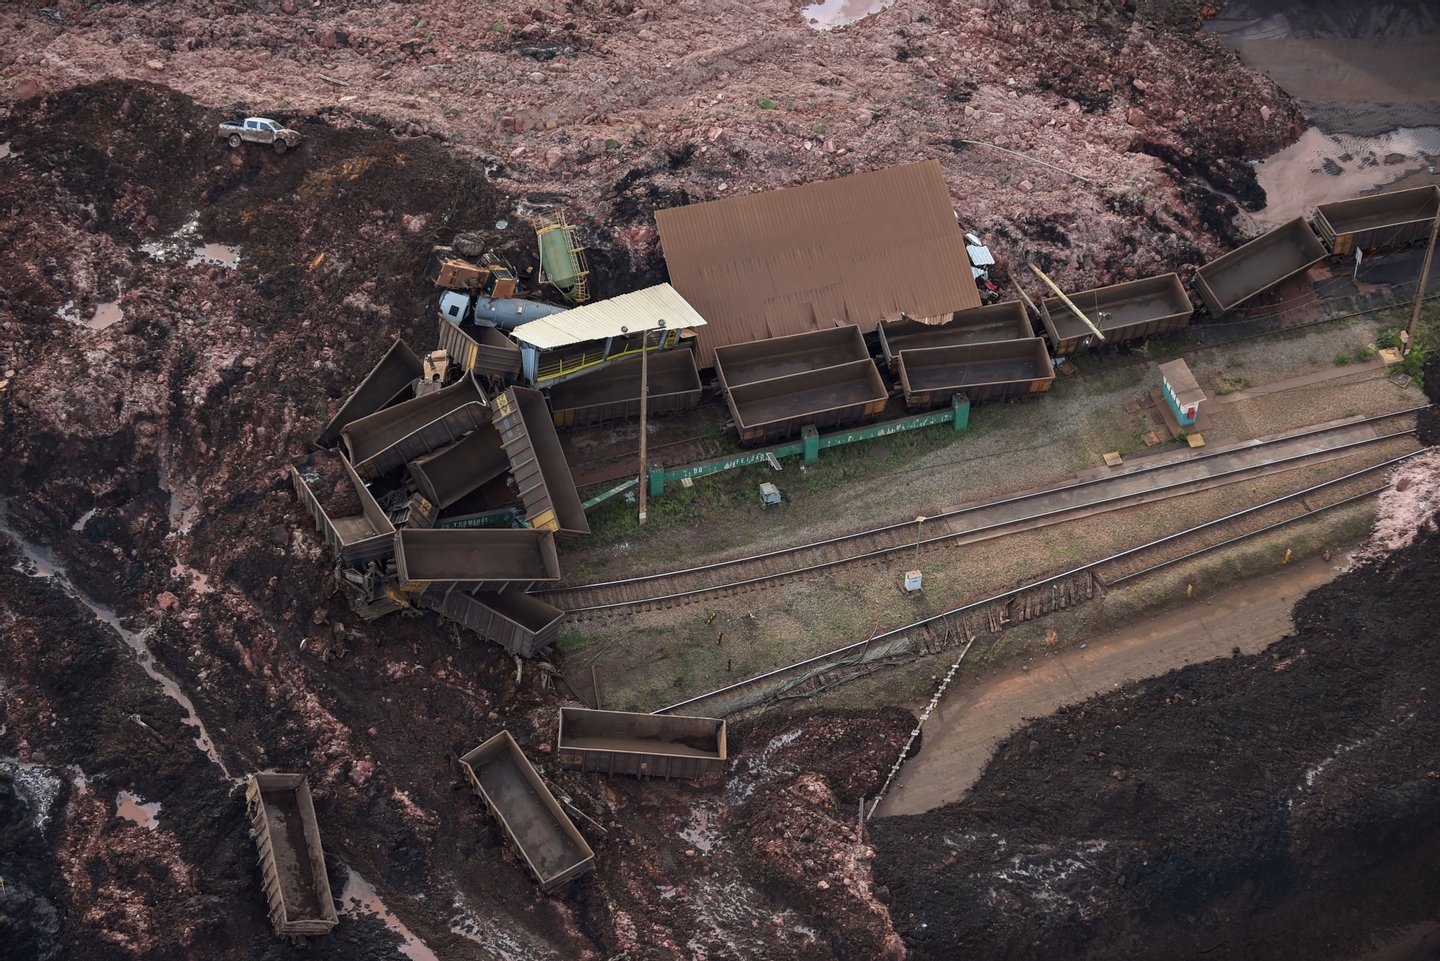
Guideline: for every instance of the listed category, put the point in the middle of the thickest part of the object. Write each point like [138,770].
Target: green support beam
[811,443]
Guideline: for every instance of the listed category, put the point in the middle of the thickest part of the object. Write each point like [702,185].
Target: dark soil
[1281,805]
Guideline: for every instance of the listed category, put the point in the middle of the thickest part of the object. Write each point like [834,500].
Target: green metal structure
[811,443]
[562,258]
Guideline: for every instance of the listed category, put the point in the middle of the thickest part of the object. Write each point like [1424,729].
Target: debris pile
[448,499]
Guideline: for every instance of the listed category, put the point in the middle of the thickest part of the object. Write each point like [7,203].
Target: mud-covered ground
[145,468]
[144,458]
[1280,805]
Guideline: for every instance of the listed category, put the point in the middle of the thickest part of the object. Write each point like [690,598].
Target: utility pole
[1420,290]
[645,412]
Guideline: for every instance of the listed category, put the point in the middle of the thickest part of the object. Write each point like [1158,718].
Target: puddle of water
[829,14]
[221,255]
[133,807]
[84,519]
[360,895]
[46,566]
[106,315]
[1313,170]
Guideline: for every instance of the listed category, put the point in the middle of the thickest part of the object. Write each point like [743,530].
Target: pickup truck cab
[260,130]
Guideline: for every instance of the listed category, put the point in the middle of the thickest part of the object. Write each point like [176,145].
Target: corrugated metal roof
[858,250]
[637,311]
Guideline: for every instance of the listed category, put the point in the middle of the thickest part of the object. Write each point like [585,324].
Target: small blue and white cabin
[1181,391]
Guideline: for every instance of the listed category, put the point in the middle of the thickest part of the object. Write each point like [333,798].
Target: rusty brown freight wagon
[645,745]
[451,472]
[390,378]
[1128,311]
[385,440]
[478,559]
[769,411]
[511,788]
[758,360]
[521,623]
[1378,222]
[1253,268]
[995,371]
[978,325]
[613,393]
[482,351]
[537,462]
[345,511]
[292,863]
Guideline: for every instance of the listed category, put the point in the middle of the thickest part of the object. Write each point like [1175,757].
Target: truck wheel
[471,243]
[235,140]
[280,146]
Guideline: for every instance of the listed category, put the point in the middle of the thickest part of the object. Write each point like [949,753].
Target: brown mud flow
[1275,805]
[214,378]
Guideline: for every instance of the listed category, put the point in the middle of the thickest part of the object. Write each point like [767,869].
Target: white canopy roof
[632,313]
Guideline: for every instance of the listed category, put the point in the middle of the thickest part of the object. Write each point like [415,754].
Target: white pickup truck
[260,130]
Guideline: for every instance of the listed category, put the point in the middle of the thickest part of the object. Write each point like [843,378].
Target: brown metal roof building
[858,250]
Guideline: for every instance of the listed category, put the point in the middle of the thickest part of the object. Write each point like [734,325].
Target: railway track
[984,520]
[954,627]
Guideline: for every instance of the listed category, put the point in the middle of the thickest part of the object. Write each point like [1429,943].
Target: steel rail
[970,508]
[841,652]
[1080,510]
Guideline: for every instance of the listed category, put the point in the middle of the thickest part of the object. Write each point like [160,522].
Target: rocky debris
[623,115]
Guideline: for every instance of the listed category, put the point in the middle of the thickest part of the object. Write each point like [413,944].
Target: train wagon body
[292,863]
[1128,311]
[521,623]
[511,789]
[770,411]
[613,393]
[537,463]
[450,473]
[1255,267]
[481,350]
[739,364]
[1378,222]
[978,325]
[385,440]
[386,382]
[931,376]
[473,559]
[645,745]
[345,511]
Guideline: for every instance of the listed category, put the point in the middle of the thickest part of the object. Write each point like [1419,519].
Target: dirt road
[964,731]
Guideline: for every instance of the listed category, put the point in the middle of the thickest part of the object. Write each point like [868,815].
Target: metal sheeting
[1127,311]
[1253,268]
[367,536]
[979,325]
[637,311]
[645,745]
[613,392]
[540,830]
[452,472]
[396,371]
[858,250]
[384,441]
[931,376]
[537,462]
[521,623]
[474,557]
